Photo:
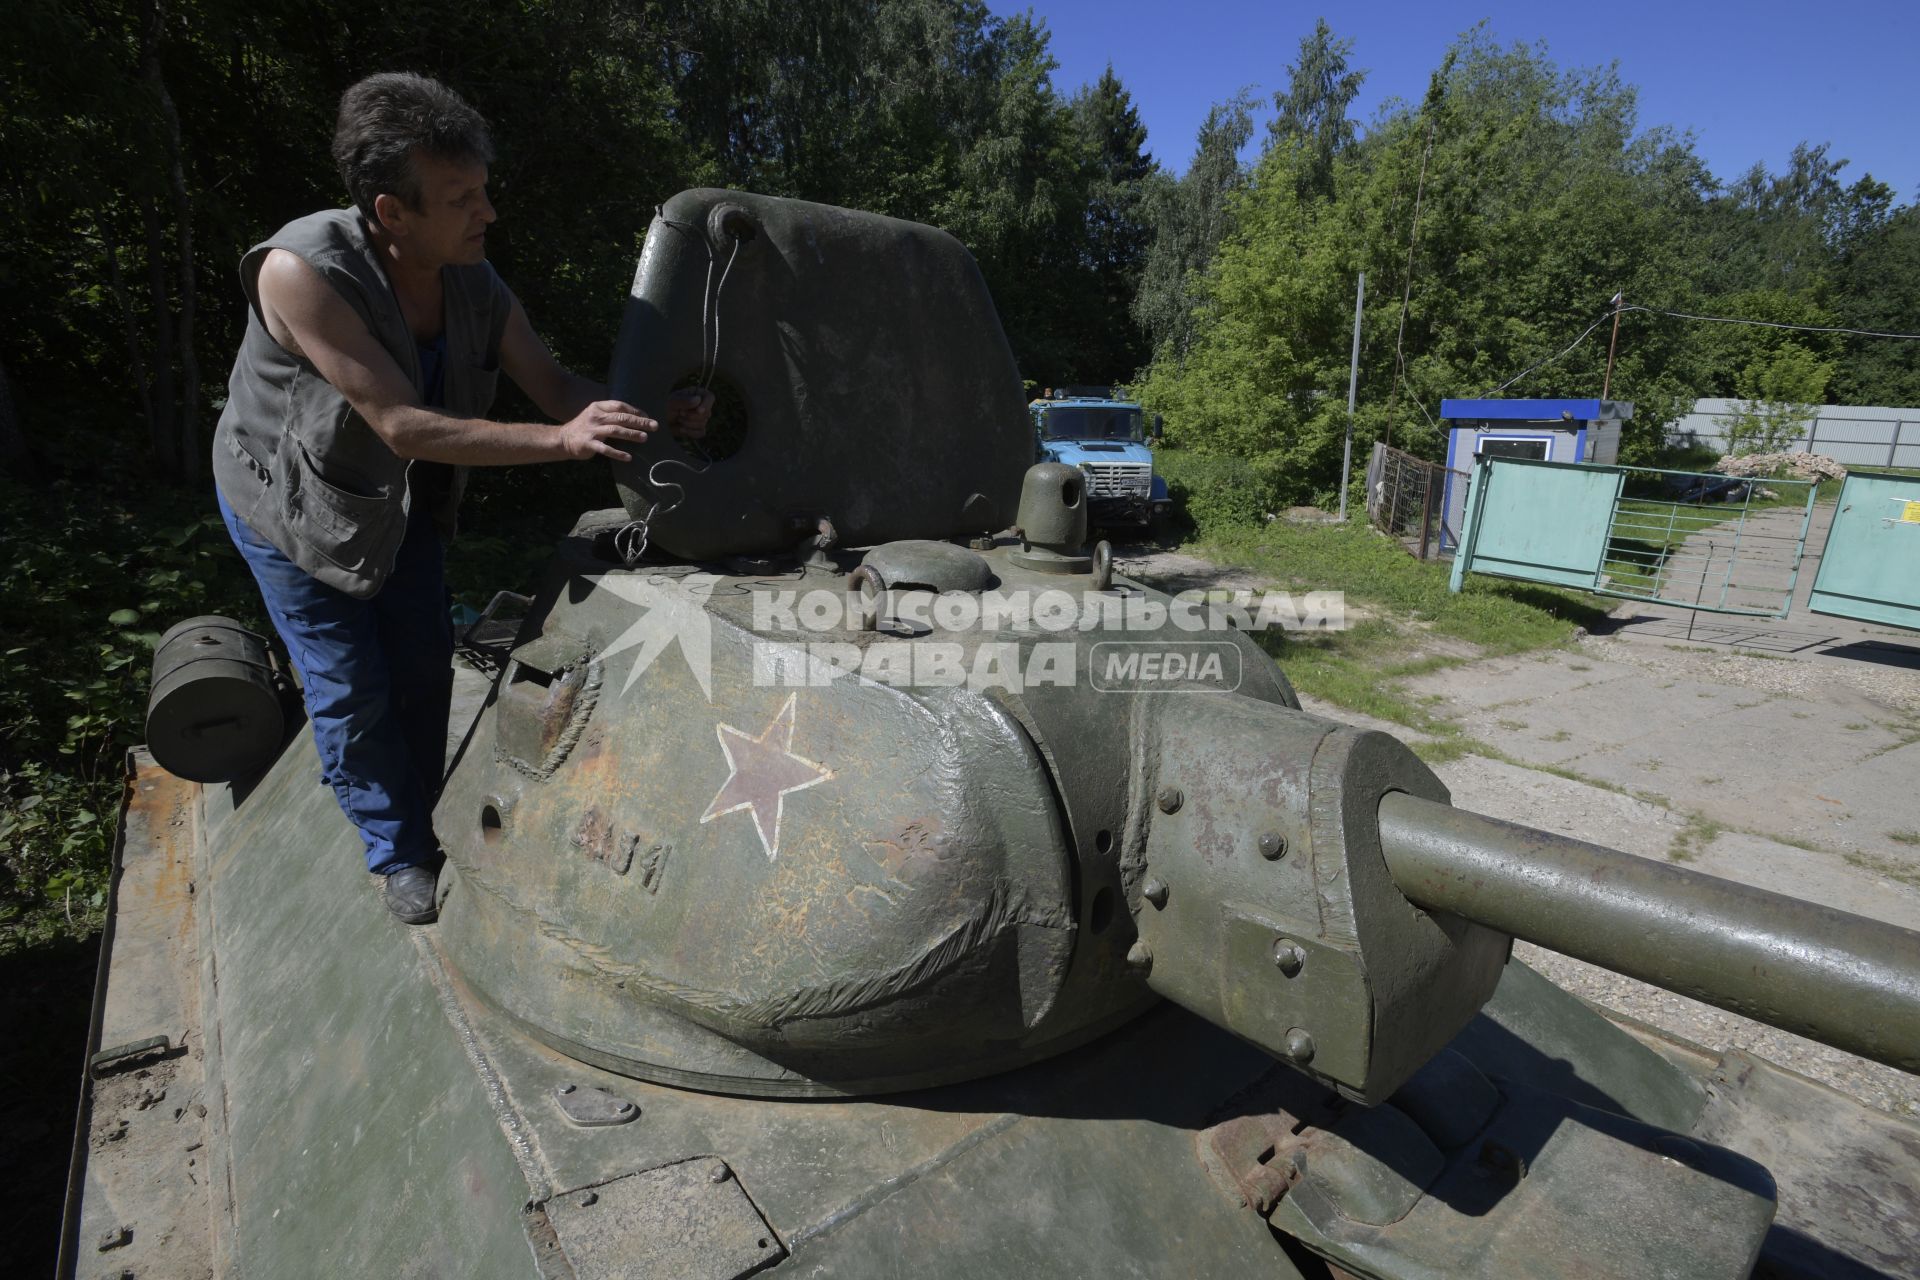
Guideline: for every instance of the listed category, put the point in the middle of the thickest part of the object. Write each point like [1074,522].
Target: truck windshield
[1092,423]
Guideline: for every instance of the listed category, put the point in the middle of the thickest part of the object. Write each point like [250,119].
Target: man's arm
[561,394]
[525,358]
[307,316]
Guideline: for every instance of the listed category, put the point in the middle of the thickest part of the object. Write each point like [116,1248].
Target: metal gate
[1870,570]
[1698,540]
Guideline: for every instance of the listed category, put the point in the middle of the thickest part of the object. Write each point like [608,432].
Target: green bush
[1697,457]
[94,567]
[1212,493]
[88,581]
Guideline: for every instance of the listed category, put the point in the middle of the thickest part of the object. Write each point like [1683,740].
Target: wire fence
[1407,501]
[1707,541]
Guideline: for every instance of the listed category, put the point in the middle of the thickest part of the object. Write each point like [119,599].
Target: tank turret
[820,874]
[788,862]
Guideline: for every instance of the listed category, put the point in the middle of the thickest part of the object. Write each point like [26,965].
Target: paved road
[1790,774]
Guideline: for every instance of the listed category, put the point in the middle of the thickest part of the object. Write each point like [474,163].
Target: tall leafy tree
[1112,147]
[1493,221]
[1017,196]
[1311,112]
[1879,289]
[1190,216]
[134,171]
[1778,392]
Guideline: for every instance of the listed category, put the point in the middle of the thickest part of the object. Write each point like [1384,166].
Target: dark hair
[385,118]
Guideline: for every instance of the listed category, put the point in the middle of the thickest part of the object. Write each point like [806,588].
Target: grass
[1887,867]
[1693,838]
[1363,670]
[1910,838]
[1418,627]
[1787,494]
[1497,616]
[1438,751]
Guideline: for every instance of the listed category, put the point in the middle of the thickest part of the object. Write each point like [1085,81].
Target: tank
[851,874]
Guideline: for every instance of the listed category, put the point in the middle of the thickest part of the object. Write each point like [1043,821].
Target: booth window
[1513,447]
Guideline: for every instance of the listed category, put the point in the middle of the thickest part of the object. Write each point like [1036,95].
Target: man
[375,338]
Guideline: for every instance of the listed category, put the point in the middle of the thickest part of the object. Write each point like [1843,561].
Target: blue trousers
[377,676]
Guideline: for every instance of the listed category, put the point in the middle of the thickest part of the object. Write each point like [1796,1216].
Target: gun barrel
[1841,979]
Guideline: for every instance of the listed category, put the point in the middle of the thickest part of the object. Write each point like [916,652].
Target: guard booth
[1545,430]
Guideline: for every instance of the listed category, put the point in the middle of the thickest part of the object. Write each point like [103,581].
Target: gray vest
[294,460]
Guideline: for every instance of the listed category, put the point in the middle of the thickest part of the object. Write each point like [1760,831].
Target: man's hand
[687,412]
[596,431]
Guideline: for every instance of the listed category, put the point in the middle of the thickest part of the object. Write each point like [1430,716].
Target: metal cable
[706,381]
[1550,359]
[1776,324]
[1688,315]
[630,540]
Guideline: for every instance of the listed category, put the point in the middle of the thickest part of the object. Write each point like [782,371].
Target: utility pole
[1606,383]
[1353,384]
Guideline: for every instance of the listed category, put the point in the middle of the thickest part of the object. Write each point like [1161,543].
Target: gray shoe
[408,893]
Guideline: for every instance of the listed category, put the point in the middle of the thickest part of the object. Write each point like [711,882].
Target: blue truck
[1086,427]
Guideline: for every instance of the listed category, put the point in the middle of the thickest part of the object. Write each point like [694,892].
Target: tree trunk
[14,458]
[136,357]
[185,443]
[160,397]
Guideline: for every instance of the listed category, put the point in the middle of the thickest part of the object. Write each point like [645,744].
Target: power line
[1550,359]
[1775,324]
[1685,315]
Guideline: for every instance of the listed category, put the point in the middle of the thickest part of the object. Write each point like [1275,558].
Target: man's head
[414,157]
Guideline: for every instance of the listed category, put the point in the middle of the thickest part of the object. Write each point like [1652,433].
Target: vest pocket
[474,397]
[345,527]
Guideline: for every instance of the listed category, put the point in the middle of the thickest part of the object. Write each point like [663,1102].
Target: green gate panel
[1871,568]
[1538,521]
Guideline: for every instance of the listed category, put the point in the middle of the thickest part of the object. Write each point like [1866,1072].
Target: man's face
[450,226]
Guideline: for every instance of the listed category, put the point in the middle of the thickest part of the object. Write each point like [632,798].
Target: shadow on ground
[46,999]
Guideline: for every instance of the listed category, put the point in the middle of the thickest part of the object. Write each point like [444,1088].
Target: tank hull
[366,1113]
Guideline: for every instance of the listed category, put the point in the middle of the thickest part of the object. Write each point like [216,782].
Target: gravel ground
[1173,571]
[1895,688]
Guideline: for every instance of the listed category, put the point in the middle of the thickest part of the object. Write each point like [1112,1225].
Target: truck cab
[1086,427]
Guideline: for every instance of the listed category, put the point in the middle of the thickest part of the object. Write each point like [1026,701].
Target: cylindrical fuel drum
[213,714]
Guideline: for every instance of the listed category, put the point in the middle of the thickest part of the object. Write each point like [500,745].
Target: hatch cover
[689,1220]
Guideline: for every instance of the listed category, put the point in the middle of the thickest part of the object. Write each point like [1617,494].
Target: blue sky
[1748,79]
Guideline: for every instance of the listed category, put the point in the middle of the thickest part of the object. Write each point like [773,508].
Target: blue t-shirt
[433,372]
[431,481]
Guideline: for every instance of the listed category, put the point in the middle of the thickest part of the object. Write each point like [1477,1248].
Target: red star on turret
[763,771]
